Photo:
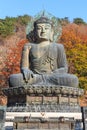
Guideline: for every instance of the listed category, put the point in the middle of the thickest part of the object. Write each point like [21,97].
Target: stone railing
[45,108]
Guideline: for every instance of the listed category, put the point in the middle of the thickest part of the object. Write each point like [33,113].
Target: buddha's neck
[44,43]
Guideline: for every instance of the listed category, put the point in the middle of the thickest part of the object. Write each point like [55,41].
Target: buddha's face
[43,31]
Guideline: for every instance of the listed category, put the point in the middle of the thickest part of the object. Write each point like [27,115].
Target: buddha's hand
[27,74]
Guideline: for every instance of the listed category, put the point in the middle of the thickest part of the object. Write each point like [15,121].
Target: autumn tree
[78,21]
[12,64]
[75,42]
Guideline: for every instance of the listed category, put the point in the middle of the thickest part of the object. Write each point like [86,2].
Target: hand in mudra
[27,74]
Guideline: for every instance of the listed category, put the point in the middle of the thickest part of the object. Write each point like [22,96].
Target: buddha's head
[43,29]
[46,27]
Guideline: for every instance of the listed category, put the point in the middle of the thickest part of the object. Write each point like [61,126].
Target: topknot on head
[43,19]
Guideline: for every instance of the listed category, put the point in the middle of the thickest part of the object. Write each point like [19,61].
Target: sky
[59,8]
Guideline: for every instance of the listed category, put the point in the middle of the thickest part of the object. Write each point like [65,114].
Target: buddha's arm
[61,60]
[25,62]
[25,57]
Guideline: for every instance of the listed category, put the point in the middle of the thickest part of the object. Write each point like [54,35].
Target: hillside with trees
[13,37]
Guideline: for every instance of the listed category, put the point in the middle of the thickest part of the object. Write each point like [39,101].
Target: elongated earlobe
[51,35]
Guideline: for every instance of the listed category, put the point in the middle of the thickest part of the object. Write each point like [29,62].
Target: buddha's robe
[48,64]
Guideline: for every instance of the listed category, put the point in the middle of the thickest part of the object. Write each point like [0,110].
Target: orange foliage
[13,59]
[12,64]
[74,38]
[73,34]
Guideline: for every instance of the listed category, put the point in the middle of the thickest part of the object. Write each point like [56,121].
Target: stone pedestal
[40,100]
[28,95]
[2,117]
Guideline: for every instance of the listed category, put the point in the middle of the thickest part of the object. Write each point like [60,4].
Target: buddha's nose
[43,30]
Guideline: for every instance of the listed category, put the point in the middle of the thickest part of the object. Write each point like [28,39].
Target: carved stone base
[20,100]
[28,95]
[38,100]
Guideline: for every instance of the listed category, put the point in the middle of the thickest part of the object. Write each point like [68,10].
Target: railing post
[83,118]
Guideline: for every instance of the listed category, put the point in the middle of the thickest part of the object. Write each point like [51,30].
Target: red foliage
[74,34]
[12,64]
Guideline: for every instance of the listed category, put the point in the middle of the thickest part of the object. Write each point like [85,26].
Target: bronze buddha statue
[43,61]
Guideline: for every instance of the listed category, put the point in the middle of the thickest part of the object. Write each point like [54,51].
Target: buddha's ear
[51,35]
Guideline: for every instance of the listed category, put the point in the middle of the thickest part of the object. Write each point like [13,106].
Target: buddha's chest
[38,52]
[45,58]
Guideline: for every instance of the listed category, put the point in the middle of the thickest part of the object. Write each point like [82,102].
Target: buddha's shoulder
[29,45]
[58,45]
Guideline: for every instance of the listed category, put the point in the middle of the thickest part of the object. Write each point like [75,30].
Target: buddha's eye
[38,28]
[46,28]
